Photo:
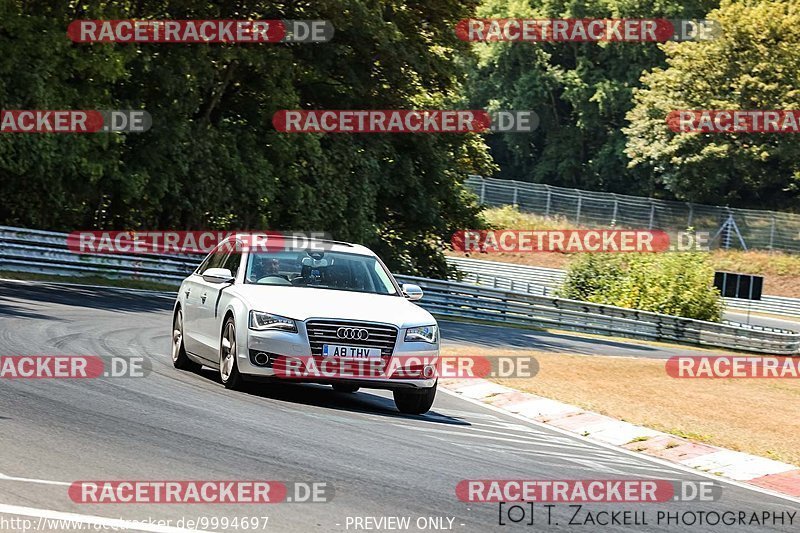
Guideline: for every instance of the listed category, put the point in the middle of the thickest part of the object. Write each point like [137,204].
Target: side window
[234,259]
[204,265]
[214,260]
[219,259]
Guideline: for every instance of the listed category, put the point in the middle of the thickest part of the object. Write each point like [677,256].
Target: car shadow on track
[325,396]
[103,298]
[10,310]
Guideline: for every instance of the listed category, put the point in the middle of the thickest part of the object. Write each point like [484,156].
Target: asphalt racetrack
[174,425]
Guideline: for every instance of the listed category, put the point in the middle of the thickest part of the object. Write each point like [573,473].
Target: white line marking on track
[530,434]
[494,435]
[4,477]
[624,451]
[70,519]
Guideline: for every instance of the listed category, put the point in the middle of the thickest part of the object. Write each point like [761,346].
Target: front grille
[324,332]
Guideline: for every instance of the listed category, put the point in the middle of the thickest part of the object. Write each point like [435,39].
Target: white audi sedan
[305,315]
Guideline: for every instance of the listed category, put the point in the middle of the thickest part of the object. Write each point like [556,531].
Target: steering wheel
[274,279]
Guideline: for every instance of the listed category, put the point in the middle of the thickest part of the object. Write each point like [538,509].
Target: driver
[264,267]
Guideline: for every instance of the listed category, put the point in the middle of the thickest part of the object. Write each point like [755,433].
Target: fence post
[691,215]
[547,207]
[578,213]
[616,208]
[727,227]
[652,214]
[483,190]
[772,233]
[516,191]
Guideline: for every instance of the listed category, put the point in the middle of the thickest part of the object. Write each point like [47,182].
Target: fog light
[429,371]
[261,359]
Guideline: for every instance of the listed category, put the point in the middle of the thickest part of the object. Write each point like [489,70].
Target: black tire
[414,402]
[180,360]
[229,374]
[341,387]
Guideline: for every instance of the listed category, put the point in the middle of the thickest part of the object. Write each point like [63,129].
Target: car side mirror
[218,275]
[411,291]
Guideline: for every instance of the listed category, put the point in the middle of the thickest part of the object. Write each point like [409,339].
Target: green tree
[755,64]
[212,158]
[581,91]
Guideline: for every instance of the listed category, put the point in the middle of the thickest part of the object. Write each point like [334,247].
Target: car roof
[344,247]
[329,245]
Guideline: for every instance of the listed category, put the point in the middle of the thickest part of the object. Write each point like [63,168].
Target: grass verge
[90,280]
[757,416]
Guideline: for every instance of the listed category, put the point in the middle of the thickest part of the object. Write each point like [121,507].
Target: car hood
[302,303]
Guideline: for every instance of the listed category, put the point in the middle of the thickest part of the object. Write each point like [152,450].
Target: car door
[211,308]
[193,289]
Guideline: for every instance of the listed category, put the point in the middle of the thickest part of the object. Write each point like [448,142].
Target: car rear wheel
[341,387]
[179,358]
[414,402]
[228,368]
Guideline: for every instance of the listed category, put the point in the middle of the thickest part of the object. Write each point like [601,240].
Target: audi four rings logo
[352,333]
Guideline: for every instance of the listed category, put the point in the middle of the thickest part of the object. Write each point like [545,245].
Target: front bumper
[295,348]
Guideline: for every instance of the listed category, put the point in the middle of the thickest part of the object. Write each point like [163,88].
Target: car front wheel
[414,402]
[228,368]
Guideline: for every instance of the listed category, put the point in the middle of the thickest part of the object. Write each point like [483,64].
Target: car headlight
[261,321]
[422,334]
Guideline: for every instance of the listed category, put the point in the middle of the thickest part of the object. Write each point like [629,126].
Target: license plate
[349,352]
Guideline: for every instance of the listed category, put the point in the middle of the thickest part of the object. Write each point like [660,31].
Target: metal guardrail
[463,300]
[46,252]
[509,276]
[777,305]
[544,281]
[23,250]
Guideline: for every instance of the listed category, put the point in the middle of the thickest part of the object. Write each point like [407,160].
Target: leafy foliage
[678,284]
[755,64]
[212,158]
[581,91]
[510,217]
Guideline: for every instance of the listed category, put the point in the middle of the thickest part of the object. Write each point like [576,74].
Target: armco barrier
[522,278]
[464,300]
[544,281]
[23,250]
[45,252]
[778,305]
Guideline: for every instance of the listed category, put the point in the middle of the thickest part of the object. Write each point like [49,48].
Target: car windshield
[323,270]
